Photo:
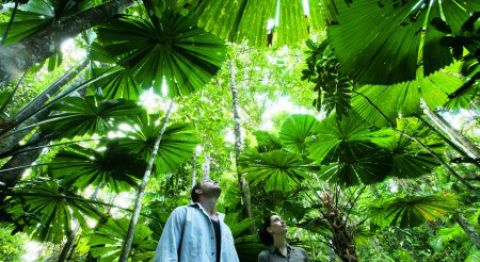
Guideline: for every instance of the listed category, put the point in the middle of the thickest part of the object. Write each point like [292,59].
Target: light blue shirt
[198,244]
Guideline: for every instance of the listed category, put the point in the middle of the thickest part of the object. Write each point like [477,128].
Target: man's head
[206,188]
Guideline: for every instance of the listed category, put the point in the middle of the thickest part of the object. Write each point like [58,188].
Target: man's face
[209,189]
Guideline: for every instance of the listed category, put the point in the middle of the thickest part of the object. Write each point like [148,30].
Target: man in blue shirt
[197,232]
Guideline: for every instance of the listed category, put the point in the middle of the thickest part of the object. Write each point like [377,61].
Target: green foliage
[78,116]
[113,168]
[295,130]
[248,20]
[177,144]
[278,170]
[10,249]
[172,52]
[46,209]
[410,211]
[333,88]
[384,46]
[107,241]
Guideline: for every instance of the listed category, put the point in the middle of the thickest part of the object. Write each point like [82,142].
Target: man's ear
[198,191]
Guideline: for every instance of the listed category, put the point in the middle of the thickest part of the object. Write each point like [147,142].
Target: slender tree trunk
[9,142]
[16,58]
[343,238]
[141,191]
[242,183]
[74,233]
[462,140]
[474,236]
[206,166]
[194,169]
[465,156]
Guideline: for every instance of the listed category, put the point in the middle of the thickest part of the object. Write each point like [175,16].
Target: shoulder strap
[179,250]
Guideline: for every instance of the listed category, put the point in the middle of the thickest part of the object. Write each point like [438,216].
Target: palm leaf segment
[107,241]
[78,116]
[277,163]
[346,151]
[410,211]
[173,52]
[277,170]
[382,45]
[176,146]
[380,105]
[248,20]
[113,167]
[38,14]
[46,210]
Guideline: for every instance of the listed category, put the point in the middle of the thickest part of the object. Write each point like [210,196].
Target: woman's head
[273,226]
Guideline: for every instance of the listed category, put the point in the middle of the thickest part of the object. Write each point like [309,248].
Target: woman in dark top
[273,233]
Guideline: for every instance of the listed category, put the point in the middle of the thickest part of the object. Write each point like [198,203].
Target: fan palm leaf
[78,116]
[46,209]
[113,167]
[173,52]
[380,42]
[249,20]
[295,130]
[107,241]
[277,170]
[410,211]
[176,146]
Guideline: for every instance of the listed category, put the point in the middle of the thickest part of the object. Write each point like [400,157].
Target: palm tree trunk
[342,235]
[16,58]
[141,191]
[67,248]
[474,236]
[242,183]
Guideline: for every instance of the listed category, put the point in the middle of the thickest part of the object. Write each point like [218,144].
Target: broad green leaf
[295,130]
[118,85]
[411,211]
[176,146]
[108,239]
[267,141]
[114,168]
[277,170]
[261,23]
[78,116]
[376,104]
[380,42]
[174,53]
[45,209]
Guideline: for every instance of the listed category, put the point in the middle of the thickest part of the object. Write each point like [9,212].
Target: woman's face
[277,226]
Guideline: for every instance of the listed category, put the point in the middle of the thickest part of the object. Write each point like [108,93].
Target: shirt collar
[220,216]
[274,250]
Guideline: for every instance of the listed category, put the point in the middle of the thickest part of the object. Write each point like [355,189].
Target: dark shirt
[294,254]
[218,239]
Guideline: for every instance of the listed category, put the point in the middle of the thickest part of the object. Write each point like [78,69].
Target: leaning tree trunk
[206,167]
[16,58]
[342,234]
[141,191]
[242,183]
[25,115]
[474,236]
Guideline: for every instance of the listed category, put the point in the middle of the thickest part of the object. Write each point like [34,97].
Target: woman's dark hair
[265,237]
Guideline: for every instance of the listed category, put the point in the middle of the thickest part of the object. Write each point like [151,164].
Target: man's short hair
[193,195]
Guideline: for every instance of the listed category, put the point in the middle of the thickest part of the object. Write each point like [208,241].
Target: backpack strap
[179,249]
